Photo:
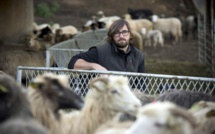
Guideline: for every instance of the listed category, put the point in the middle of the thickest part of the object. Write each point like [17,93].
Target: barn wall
[16,20]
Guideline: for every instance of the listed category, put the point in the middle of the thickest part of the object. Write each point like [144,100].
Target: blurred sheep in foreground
[16,116]
[204,112]
[48,93]
[157,118]
[107,97]
[184,98]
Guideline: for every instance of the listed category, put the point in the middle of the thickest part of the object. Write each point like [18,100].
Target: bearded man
[117,54]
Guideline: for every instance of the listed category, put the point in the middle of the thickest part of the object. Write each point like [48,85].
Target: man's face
[122,37]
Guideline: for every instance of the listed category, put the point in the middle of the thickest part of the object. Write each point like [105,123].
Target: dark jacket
[113,59]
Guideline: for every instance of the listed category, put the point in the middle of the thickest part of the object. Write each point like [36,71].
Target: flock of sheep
[145,31]
[49,106]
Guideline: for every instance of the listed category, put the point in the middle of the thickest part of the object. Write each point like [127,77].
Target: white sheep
[158,118]
[71,30]
[168,26]
[155,37]
[106,98]
[137,25]
[47,93]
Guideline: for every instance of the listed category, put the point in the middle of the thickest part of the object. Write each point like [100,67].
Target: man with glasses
[117,54]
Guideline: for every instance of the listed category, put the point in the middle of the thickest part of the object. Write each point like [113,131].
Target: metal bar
[118,73]
[19,74]
[48,58]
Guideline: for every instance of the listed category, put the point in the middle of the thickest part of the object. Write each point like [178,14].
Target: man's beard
[121,44]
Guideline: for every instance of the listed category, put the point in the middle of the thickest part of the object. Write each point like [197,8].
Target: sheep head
[13,101]
[115,93]
[56,89]
[163,118]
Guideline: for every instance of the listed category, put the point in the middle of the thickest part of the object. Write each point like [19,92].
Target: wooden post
[16,20]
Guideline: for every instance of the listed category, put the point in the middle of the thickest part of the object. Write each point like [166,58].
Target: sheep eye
[114,91]
[41,85]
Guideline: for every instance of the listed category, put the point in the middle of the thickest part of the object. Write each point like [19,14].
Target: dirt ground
[180,59]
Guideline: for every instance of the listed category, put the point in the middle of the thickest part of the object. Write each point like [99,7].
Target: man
[117,54]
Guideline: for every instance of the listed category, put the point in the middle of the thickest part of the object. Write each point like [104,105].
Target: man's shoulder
[136,50]
[105,45]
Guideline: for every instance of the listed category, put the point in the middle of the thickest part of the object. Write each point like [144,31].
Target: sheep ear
[184,114]
[98,83]
[211,113]
[3,89]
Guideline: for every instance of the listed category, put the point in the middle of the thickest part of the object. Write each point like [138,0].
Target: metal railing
[64,51]
[206,36]
[146,83]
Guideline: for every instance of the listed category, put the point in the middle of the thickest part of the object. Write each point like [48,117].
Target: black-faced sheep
[13,101]
[184,98]
[140,13]
[106,98]
[48,93]
[16,116]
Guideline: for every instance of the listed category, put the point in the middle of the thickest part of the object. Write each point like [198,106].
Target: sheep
[137,40]
[35,43]
[11,59]
[37,27]
[108,21]
[16,116]
[158,118]
[71,30]
[106,98]
[184,98]
[13,102]
[190,26]
[154,36]
[2,73]
[52,93]
[168,26]
[140,13]
[144,99]
[105,21]
[22,126]
[137,25]
[203,111]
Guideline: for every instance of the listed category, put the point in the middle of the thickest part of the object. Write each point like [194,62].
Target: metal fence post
[19,75]
[47,58]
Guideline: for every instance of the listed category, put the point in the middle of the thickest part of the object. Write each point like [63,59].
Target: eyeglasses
[124,33]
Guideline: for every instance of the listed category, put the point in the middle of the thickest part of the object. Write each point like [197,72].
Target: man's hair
[115,27]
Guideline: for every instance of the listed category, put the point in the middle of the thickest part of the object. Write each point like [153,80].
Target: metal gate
[146,83]
[206,35]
